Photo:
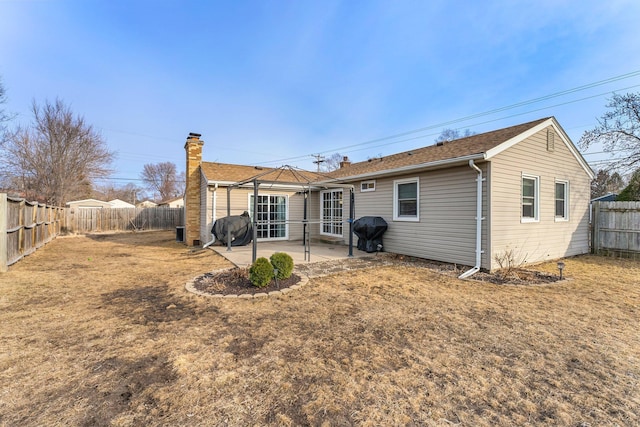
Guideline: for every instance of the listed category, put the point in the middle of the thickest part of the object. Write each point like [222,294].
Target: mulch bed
[515,276]
[518,276]
[236,282]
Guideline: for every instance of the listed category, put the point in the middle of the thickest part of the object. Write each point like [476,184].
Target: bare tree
[332,162]
[453,134]
[4,116]
[619,129]
[163,180]
[58,157]
[605,183]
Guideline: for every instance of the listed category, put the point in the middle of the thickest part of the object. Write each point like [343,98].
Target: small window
[406,200]
[530,198]
[562,200]
[367,186]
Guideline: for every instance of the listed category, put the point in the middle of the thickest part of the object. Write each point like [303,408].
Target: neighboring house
[118,204]
[610,197]
[178,202]
[146,204]
[534,202]
[88,204]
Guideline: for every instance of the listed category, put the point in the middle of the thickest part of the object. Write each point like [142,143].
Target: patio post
[228,214]
[254,253]
[304,218]
[352,211]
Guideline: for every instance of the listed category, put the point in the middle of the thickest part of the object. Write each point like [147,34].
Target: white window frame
[366,186]
[286,207]
[332,226]
[536,198]
[564,217]
[396,213]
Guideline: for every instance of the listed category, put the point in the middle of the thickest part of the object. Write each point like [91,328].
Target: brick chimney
[345,162]
[193,148]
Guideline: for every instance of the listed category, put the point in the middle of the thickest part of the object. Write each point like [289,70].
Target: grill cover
[369,230]
[239,226]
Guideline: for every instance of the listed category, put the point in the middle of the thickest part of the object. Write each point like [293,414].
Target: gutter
[479,219]
[213,240]
[409,168]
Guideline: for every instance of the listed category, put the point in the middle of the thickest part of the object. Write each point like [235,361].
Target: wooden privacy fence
[616,229]
[83,220]
[24,227]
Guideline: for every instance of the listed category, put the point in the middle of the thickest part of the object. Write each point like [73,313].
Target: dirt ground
[99,331]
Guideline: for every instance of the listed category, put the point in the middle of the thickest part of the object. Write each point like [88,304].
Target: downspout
[213,216]
[479,219]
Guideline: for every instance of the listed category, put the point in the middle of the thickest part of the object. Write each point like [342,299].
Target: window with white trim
[530,198]
[562,200]
[367,186]
[331,213]
[406,199]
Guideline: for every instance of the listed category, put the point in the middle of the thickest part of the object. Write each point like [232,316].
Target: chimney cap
[194,135]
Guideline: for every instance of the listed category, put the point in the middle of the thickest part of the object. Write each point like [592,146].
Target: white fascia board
[574,150]
[409,168]
[524,135]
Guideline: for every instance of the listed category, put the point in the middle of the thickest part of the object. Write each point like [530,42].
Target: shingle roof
[225,172]
[476,144]
[463,147]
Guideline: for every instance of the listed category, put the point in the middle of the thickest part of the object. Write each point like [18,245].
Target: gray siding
[240,203]
[446,230]
[546,239]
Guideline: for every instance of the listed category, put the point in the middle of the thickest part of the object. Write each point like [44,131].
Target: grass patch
[99,331]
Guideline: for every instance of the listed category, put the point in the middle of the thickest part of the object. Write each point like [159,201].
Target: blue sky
[264,81]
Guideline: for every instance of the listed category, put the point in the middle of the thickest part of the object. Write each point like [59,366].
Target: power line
[478,115]
[475,124]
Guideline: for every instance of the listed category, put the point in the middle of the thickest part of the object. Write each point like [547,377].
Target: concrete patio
[241,255]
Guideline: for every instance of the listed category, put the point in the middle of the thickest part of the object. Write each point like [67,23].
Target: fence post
[3,233]
[595,228]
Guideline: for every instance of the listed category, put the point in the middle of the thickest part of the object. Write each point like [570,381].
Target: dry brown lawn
[100,331]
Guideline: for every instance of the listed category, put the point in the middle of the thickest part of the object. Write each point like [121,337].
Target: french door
[331,212]
[271,216]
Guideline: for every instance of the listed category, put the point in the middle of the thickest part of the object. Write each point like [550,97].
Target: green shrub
[261,272]
[283,263]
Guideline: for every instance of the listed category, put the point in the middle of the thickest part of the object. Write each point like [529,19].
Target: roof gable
[532,131]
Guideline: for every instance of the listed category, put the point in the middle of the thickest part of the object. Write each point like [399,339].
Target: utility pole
[319,158]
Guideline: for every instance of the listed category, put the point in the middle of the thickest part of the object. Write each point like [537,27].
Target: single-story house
[120,204]
[88,204]
[177,202]
[146,204]
[519,194]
